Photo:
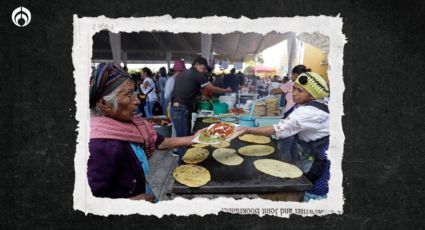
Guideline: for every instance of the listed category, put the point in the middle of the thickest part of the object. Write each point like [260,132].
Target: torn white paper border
[86,27]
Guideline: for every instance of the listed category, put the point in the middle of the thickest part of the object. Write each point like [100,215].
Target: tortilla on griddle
[223,144]
[200,145]
[257,139]
[227,156]
[195,155]
[192,175]
[277,168]
[256,150]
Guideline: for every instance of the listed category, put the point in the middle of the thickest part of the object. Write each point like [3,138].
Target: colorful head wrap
[104,80]
[314,84]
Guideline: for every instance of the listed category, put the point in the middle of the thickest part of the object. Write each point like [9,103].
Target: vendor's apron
[311,161]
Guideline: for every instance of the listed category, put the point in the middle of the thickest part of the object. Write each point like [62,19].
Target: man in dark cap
[186,89]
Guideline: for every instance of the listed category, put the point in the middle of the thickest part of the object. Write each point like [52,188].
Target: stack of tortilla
[260,109]
[272,107]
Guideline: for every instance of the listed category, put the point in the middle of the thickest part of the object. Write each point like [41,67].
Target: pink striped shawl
[138,130]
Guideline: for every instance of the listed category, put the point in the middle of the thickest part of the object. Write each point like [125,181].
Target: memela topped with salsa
[217,132]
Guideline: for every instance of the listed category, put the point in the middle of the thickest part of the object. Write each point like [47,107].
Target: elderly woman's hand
[198,132]
[176,142]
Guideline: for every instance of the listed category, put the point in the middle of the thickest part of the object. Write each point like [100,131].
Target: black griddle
[243,178]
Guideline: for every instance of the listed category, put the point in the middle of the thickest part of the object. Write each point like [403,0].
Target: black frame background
[383,122]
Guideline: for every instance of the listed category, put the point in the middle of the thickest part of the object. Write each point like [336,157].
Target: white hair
[110,99]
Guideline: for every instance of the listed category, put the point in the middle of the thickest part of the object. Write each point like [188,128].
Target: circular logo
[21,16]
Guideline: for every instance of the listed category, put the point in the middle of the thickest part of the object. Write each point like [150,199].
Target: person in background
[178,67]
[170,73]
[218,82]
[121,142]
[136,77]
[148,88]
[207,94]
[241,79]
[258,80]
[155,78]
[139,84]
[231,80]
[187,87]
[287,89]
[283,95]
[160,85]
[261,87]
[209,74]
[253,88]
[310,125]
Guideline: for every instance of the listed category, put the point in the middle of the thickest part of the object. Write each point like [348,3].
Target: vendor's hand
[144,196]
[241,130]
[228,90]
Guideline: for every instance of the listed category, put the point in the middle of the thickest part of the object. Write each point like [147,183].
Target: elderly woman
[120,141]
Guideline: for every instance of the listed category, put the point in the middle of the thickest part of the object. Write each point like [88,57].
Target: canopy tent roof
[154,46]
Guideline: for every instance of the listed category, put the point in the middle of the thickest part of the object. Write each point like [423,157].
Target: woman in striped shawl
[120,141]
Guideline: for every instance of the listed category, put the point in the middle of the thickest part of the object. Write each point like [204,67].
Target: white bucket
[247,106]
[229,100]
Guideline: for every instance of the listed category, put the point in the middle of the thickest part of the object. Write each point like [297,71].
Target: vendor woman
[120,141]
[309,123]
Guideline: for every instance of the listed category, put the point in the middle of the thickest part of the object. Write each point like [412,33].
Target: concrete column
[292,49]
[115,40]
[206,43]
[168,57]
[124,58]
[255,61]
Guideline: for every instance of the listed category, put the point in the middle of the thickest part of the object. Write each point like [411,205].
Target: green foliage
[260,58]
[248,70]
